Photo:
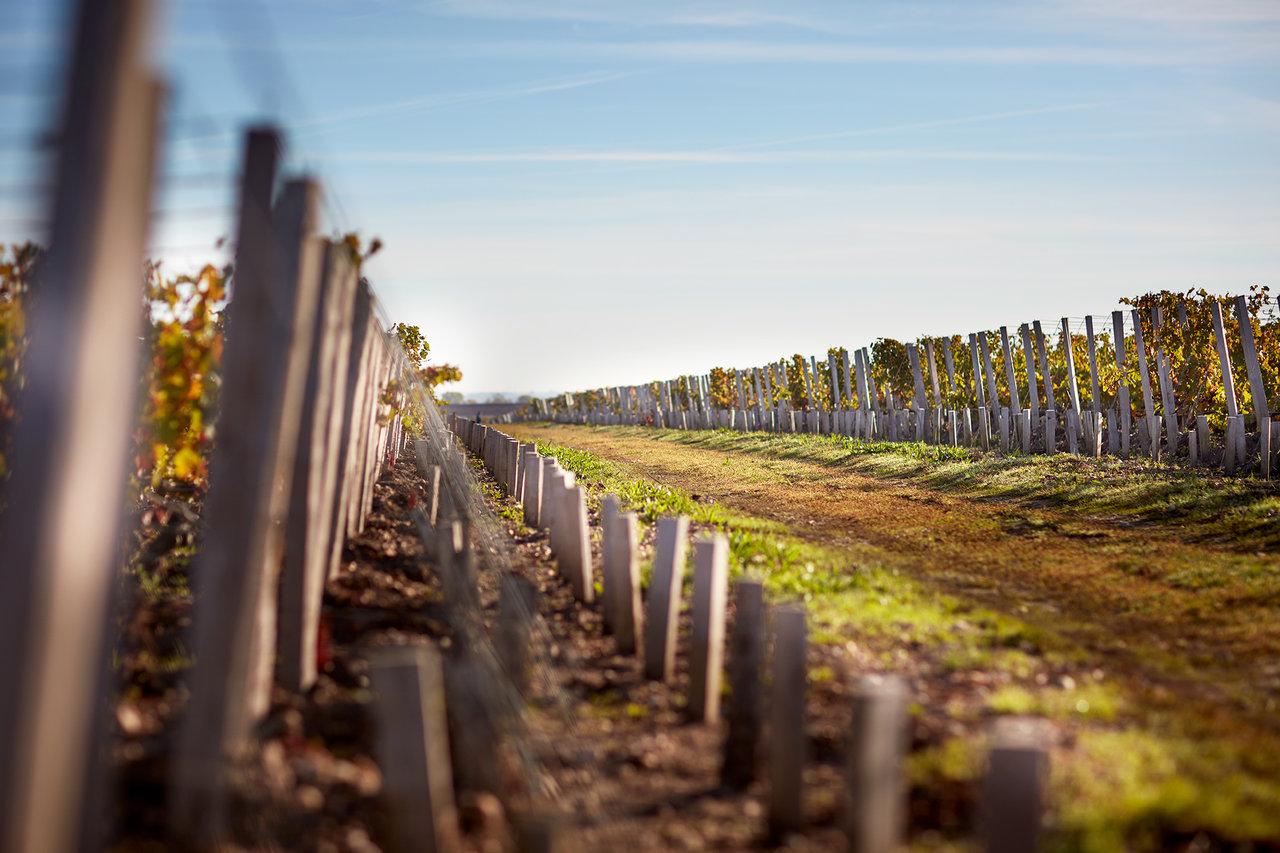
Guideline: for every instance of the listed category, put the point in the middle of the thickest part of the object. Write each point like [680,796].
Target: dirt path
[1208,627]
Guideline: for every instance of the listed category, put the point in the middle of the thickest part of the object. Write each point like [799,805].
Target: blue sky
[579,193]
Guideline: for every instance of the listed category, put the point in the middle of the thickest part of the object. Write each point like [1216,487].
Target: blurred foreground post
[60,533]
[876,813]
[412,739]
[1013,791]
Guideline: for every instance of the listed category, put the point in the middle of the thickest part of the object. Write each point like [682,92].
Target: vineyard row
[1177,378]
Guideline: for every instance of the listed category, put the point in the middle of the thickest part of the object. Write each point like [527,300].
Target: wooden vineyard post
[849,401]
[1124,408]
[948,361]
[455,564]
[412,737]
[872,396]
[1257,390]
[352,405]
[788,740]
[917,377]
[1049,403]
[710,575]
[625,587]
[1073,389]
[1149,406]
[377,431]
[860,374]
[1011,375]
[575,555]
[63,516]
[933,372]
[746,664]
[610,552]
[760,389]
[979,382]
[1033,391]
[1228,382]
[1095,392]
[993,396]
[1013,791]
[875,814]
[517,610]
[269,323]
[979,392]
[531,490]
[307,545]
[664,597]
[835,381]
[552,485]
[432,474]
[364,414]
[1167,401]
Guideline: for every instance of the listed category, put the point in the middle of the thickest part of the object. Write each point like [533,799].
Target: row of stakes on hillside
[856,410]
[767,694]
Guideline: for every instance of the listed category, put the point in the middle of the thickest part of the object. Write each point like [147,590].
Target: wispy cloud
[1195,12]
[715,50]
[432,102]
[928,124]
[695,156]
[651,13]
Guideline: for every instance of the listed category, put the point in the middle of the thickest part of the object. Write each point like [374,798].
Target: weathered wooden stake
[311,497]
[1013,792]
[1257,390]
[875,815]
[269,329]
[746,664]
[575,555]
[517,611]
[664,597]
[1033,391]
[710,575]
[610,552]
[788,739]
[625,590]
[413,749]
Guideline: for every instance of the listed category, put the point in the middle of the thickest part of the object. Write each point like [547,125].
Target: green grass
[1242,511]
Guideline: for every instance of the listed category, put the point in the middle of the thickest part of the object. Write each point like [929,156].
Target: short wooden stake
[531,488]
[876,809]
[665,585]
[625,588]
[413,749]
[611,552]
[517,611]
[710,575]
[1013,791]
[788,740]
[746,666]
[574,555]
[474,730]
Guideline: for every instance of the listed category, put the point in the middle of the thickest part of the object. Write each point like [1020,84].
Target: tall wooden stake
[269,328]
